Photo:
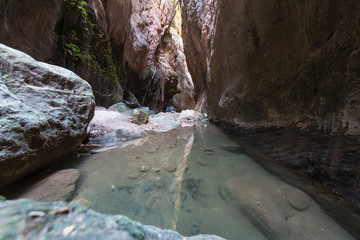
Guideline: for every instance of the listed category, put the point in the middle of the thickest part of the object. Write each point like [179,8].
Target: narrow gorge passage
[123,106]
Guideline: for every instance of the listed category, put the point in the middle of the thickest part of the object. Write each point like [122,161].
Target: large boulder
[44,113]
[54,220]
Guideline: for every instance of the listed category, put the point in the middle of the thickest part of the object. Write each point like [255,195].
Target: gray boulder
[59,220]
[44,113]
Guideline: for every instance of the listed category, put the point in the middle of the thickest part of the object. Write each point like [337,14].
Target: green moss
[85,42]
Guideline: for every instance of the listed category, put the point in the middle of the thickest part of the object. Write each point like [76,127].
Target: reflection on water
[196,180]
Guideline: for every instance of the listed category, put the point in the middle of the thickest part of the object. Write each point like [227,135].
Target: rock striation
[284,78]
[44,113]
[288,70]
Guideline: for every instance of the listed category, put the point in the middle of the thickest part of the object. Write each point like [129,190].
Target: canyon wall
[115,45]
[283,76]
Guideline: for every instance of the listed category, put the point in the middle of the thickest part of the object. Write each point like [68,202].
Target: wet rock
[86,203]
[134,175]
[129,134]
[44,113]
[202,162]
[144,168]
[120,107]
[279,212]
[140,116]
[208,151]
[58,186]
[299,93]
[170,166]
[99,226]
[151,200]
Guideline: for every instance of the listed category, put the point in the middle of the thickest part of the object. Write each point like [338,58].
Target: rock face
[44,113]
[35,220]
[73,34]
[139,50]
[148,36]
[285,76]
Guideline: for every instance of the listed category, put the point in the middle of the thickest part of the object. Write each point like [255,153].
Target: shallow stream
[196,180]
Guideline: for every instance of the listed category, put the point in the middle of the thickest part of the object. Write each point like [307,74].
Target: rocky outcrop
[34,220]
[44,113]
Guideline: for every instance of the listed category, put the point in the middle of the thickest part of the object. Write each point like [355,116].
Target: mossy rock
[140,116]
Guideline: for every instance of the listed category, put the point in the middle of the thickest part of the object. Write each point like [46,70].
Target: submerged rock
[278,210]
[57,186]
[77,223]
[44,113]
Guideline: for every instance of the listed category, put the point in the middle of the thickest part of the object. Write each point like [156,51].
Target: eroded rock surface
[283,78]
[44,113]
[34,220]
[286,69]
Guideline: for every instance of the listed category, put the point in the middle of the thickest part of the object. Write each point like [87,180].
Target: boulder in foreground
[44,113]
[45,220]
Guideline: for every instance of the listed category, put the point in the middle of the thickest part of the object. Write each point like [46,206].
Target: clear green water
[196,180]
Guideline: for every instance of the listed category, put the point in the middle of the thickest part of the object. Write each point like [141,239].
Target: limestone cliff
[116,45]
[292,65]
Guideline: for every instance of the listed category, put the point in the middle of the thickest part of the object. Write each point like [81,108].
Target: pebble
[150,201]
[86,203]
[156,169]
[202,162]
[36,214]
[133,175]
[209,151]
[151,150]
[144,168]
[60,211]
[170,167]
[68,230]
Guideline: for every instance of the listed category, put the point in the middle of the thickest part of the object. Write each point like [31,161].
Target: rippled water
[196,180]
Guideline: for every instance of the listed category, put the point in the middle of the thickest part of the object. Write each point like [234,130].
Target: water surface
[196,180]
